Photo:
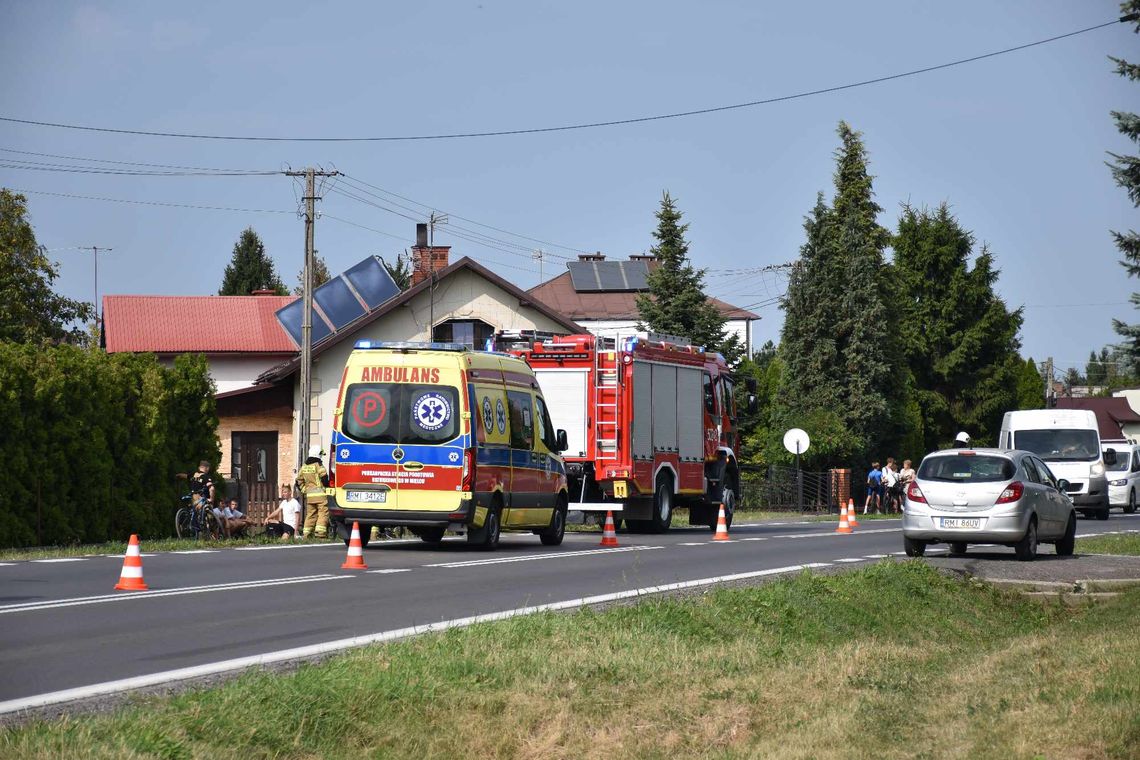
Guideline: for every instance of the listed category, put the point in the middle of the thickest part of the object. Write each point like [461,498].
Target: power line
[133,163]
[74,169]
[152,203]
[585,125]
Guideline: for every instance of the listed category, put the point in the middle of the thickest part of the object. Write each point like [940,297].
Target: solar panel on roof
[342,300]
[611,275]
[594,276]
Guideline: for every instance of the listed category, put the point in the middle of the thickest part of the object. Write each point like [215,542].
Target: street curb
[1088,587]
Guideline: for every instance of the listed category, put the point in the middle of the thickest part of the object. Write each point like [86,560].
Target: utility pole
[539,255]
[95,257]
[1048,380]
[305,427]
[433,220]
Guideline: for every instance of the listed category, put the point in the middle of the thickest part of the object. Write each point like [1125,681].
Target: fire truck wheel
[728,499]
[662,505]
[553,535]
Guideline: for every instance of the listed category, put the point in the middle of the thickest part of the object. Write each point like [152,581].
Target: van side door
[546,451]
[525,480]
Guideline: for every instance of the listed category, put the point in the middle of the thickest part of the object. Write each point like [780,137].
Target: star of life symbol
[500,416]
[344,453]
[488,415]
[453,456]
[432,411]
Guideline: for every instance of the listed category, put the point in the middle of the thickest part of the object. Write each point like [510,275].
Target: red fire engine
[650,422]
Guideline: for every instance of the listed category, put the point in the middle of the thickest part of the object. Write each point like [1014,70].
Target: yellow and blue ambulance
[435,437]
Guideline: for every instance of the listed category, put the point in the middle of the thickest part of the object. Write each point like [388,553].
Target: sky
[1015,144]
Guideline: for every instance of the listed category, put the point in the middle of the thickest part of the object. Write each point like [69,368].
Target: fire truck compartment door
[664,407]
[642,410]
[565,393]
[690,414]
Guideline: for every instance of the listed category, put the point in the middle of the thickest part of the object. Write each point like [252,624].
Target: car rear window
[966,469]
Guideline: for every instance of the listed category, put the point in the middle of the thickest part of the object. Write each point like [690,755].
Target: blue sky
[1015,144]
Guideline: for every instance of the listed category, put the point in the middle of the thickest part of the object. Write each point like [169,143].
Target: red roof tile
[207,324]
[1111,413]
[560,295]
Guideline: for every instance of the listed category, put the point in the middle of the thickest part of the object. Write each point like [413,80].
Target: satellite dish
[796,441]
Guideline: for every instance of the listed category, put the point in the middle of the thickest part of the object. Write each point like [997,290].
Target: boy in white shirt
[284,520]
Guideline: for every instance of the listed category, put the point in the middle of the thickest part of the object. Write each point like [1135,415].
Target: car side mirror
[1110,457]
[561,442]
[1062,485]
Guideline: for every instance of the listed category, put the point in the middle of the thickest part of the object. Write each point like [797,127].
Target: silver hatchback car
[992,496]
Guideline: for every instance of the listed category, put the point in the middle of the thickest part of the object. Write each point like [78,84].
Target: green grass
[120,547]
[1117,544]
[891,661]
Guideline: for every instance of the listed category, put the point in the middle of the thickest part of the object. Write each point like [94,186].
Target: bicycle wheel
[212,529]
[182,527]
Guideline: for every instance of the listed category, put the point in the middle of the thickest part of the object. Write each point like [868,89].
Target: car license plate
[961,522]
[373,497]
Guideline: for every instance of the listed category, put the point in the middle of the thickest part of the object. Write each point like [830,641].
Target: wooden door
[254,466]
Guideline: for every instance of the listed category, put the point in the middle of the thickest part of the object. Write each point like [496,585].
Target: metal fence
[784,489]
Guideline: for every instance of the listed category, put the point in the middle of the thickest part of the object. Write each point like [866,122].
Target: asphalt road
[66,634]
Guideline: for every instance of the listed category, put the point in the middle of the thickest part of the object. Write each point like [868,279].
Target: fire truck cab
[650,423]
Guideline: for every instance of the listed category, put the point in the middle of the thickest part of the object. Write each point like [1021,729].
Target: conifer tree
[250,269]
[1126,172]
[401,271]
[320,276]
[1030,385]
[676,303]
[961,341]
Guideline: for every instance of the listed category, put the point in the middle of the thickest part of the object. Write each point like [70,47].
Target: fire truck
[650,422]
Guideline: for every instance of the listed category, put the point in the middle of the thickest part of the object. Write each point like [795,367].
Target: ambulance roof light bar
[411,345]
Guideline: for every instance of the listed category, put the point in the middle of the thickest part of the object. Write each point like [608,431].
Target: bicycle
[195,519]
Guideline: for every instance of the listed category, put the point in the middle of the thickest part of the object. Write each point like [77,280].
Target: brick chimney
[427,258]
[642,257]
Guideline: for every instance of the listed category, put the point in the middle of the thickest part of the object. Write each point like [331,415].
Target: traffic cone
[851,514]
[721,526]
[131,579]
[355,558]
[609,535]
[844,527]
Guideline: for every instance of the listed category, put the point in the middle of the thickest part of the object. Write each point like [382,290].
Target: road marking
[875,556]
[530,557]
[241,663]
[833,533]
[389,570]
[692,543]
[287,546]
[779,523]
[197,551]
[84,600]
[69,559]
[6,564]
[850,559]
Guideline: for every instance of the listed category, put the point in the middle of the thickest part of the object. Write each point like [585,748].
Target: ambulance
[434,437]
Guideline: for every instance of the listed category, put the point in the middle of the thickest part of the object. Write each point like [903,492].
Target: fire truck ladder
[606,403]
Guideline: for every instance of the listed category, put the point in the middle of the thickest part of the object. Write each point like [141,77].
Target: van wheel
[913,547]
[430,535]
[1102,514]
[554,534]
[1026,548]
[487,537]
[662,506]
[1069,540]
[1131,508]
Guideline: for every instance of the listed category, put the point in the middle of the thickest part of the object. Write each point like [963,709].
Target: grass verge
[894,660]
[1125,543]
[120,547]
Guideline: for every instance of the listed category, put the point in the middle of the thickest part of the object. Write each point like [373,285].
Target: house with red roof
[1115,417]
[255,363]
[601,295]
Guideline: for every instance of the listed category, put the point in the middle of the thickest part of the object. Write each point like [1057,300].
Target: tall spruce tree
[959,339]
[30,310]
[676,303]
[841,365]
[250,269]
[320,275]
[1126,172]
[401,271]
[1030,385]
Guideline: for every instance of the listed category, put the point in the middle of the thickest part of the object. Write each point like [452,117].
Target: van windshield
[1059,445]
[1121,459]
[966,469]
[403,413]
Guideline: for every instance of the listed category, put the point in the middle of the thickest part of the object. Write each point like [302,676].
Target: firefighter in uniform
[311,480]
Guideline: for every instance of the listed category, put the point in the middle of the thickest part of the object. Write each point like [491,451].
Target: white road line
[6,564]
[779,523]
[874,556]
[241,663]
[530,557]
[692,543]
[197,551]
[389,570]
[66,559]
[753,538]
[288,546]
[850,559]
[130,596]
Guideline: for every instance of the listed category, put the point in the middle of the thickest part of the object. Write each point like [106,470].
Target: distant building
[1117,420]
[602,295]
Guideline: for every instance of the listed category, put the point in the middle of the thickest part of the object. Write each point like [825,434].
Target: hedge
[91,443]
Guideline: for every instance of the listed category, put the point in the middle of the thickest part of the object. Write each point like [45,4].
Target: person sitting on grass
[284,520]
[233,521]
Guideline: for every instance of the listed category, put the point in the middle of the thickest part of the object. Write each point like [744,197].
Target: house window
[472,333]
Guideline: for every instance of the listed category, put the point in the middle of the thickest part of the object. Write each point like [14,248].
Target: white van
[1068,440]
[1124,476]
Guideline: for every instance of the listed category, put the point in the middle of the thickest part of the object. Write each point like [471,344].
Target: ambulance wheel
[430,535]
[487,537]
[554,534]
[662,506]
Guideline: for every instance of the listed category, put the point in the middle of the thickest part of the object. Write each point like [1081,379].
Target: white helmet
[315,451]
[963,437]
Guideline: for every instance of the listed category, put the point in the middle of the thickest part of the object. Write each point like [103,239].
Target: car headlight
[1122,482]
[1096,470]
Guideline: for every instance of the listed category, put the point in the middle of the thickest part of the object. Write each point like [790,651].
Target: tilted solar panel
[342,300]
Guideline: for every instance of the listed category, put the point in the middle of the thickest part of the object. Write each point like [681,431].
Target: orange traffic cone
[609,535]
[851,514]
[844,526]
[721,526]
[355,558]
[131,579]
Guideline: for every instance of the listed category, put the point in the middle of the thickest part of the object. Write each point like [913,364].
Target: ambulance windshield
[401,413]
